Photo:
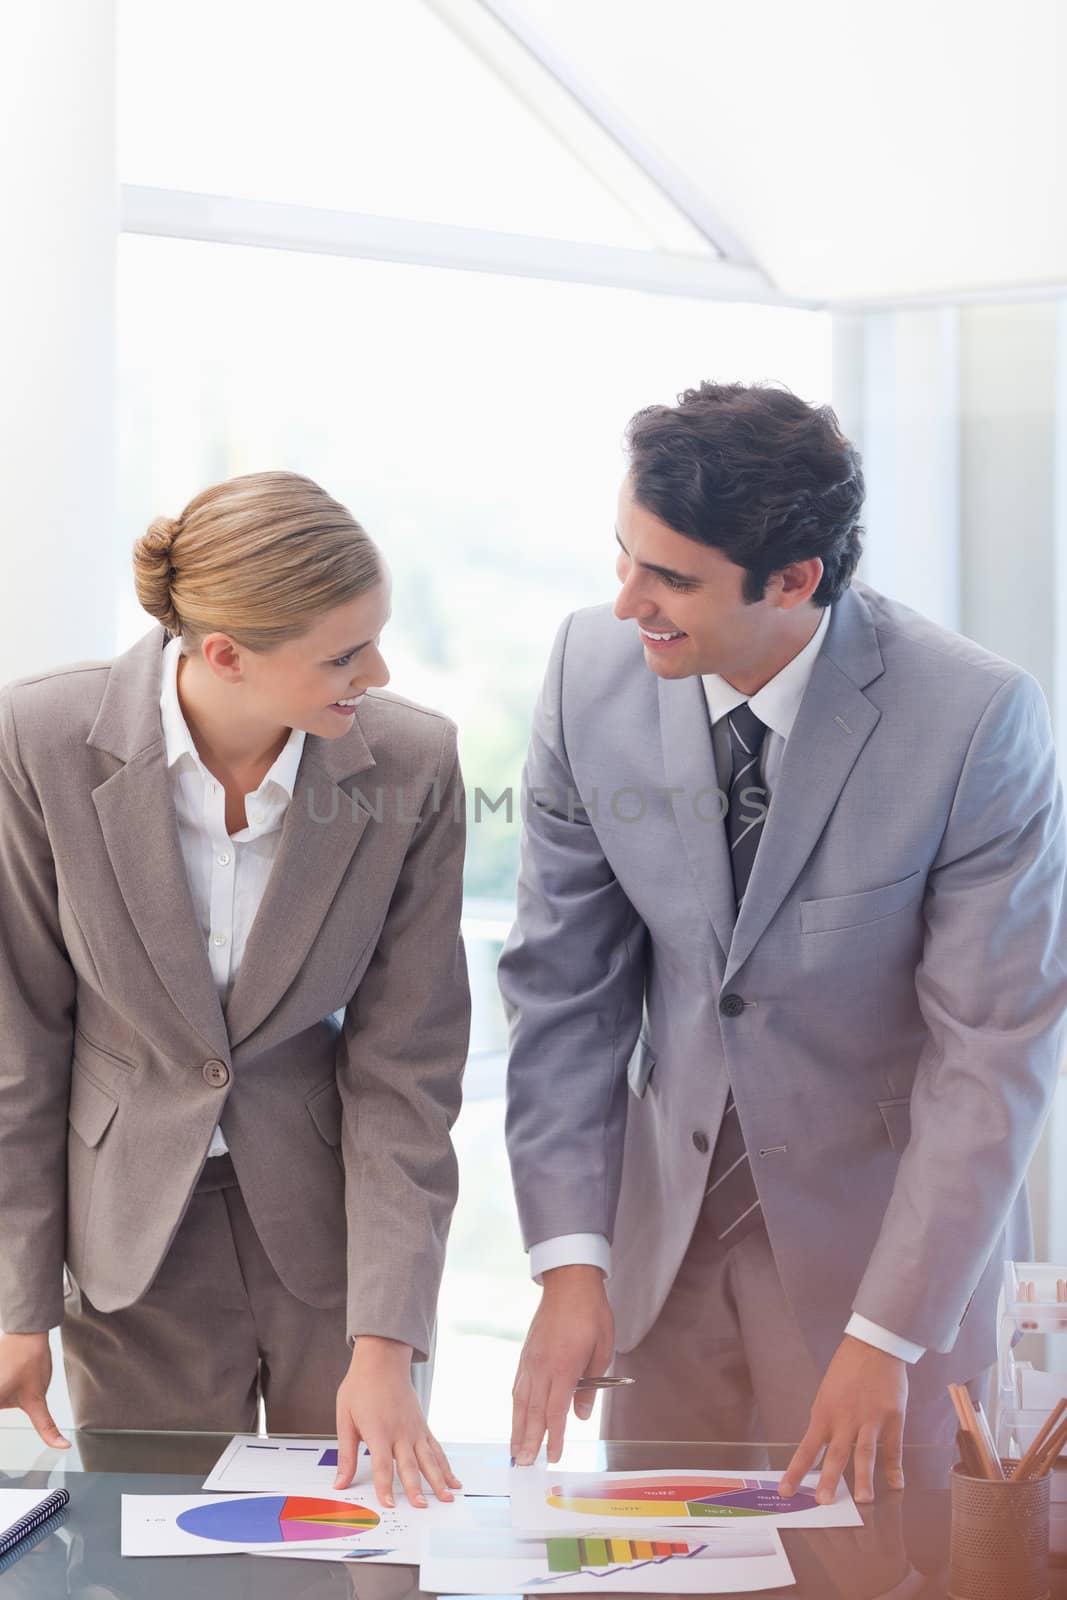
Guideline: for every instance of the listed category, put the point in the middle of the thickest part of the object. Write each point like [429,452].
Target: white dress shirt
[227,875]
[776,705]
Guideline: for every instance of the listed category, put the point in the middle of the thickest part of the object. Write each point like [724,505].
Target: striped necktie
[733,1208]
[748,795]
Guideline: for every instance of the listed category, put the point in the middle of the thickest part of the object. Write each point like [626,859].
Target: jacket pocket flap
[91,1108]
[324,1108]
[896,1114]
[853,910]
[640,1067]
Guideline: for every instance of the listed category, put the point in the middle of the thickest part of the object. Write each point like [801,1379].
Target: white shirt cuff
[893,1345]
[570,1250]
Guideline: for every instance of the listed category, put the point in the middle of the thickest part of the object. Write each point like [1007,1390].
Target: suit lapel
[689,765]
[136,812]
[833,724]
[322,827]
[135,806]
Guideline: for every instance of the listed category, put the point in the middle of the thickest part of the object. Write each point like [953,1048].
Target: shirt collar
[179,741]
[778,702]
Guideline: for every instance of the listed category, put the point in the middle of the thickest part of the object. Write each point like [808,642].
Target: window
[397,108]
[474,425]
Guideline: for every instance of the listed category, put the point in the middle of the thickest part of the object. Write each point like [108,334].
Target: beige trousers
[726,1360]
[216,1329]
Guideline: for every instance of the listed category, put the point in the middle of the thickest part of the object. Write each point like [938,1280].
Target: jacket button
[700,1141]
[217,1073]
[731,1005]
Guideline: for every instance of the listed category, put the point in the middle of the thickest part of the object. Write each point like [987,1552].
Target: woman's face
[303,682]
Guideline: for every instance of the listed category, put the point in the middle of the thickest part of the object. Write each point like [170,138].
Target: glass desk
[900,1553]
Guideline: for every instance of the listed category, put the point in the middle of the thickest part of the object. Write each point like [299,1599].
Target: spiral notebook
[22,1512]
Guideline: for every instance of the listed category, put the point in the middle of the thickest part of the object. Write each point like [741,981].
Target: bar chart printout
[491,1561]
[572,1555]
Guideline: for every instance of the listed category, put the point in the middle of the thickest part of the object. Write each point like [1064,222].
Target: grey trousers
[216,1329]
[726,1360]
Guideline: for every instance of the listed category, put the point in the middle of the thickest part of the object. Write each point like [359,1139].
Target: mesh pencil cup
[999,1539]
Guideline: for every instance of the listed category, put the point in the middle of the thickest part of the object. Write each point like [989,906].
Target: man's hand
[861,1401]
[25,1373]
[377,1404]
[572,1336]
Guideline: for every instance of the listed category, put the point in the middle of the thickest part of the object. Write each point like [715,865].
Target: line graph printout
[483,1561]
[553,1502]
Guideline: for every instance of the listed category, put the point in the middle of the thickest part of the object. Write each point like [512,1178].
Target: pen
[602,1383]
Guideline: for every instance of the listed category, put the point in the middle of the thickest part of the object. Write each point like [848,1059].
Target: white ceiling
[861,149]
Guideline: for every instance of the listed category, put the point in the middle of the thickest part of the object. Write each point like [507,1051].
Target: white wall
[58,446]
[59,201]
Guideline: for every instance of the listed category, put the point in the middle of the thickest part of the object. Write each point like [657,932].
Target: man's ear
[797,582]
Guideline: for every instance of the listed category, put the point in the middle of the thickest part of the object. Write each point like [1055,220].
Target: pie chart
[276,1519]
[677,1499]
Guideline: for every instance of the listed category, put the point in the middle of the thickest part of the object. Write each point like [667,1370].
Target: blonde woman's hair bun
[259,557]
[154,571]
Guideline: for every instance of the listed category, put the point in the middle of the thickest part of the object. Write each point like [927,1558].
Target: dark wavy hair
[757,473]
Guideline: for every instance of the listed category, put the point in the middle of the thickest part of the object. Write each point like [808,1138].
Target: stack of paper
[672,1532]
[514,1530]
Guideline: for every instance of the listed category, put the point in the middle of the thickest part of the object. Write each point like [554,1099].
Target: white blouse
[227,875]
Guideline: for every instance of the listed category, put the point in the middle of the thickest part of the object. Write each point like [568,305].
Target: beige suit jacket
[117,1058]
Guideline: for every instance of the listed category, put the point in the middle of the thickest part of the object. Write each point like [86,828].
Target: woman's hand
[25,1373]
[376,1404]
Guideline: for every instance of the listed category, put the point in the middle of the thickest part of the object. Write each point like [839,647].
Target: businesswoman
[234,1009]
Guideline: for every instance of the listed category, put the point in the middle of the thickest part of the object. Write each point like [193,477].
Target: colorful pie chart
[276,1519]
[677,1499]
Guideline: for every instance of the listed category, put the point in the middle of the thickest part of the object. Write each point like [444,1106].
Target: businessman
[787,983]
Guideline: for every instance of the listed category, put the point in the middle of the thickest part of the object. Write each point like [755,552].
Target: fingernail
[823,1497]
[524,1458]
[337,1481]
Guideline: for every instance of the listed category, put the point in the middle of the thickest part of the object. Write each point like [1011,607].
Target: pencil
[1041,1438]
[968,1455]
[1051,1450]
[953,1394]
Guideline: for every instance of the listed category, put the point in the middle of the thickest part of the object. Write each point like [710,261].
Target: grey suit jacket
[888,1007]
[116,1057]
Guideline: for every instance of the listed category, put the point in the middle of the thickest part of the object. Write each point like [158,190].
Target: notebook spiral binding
[29,1524]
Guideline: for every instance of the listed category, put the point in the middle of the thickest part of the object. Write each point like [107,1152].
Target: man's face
[673,585]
